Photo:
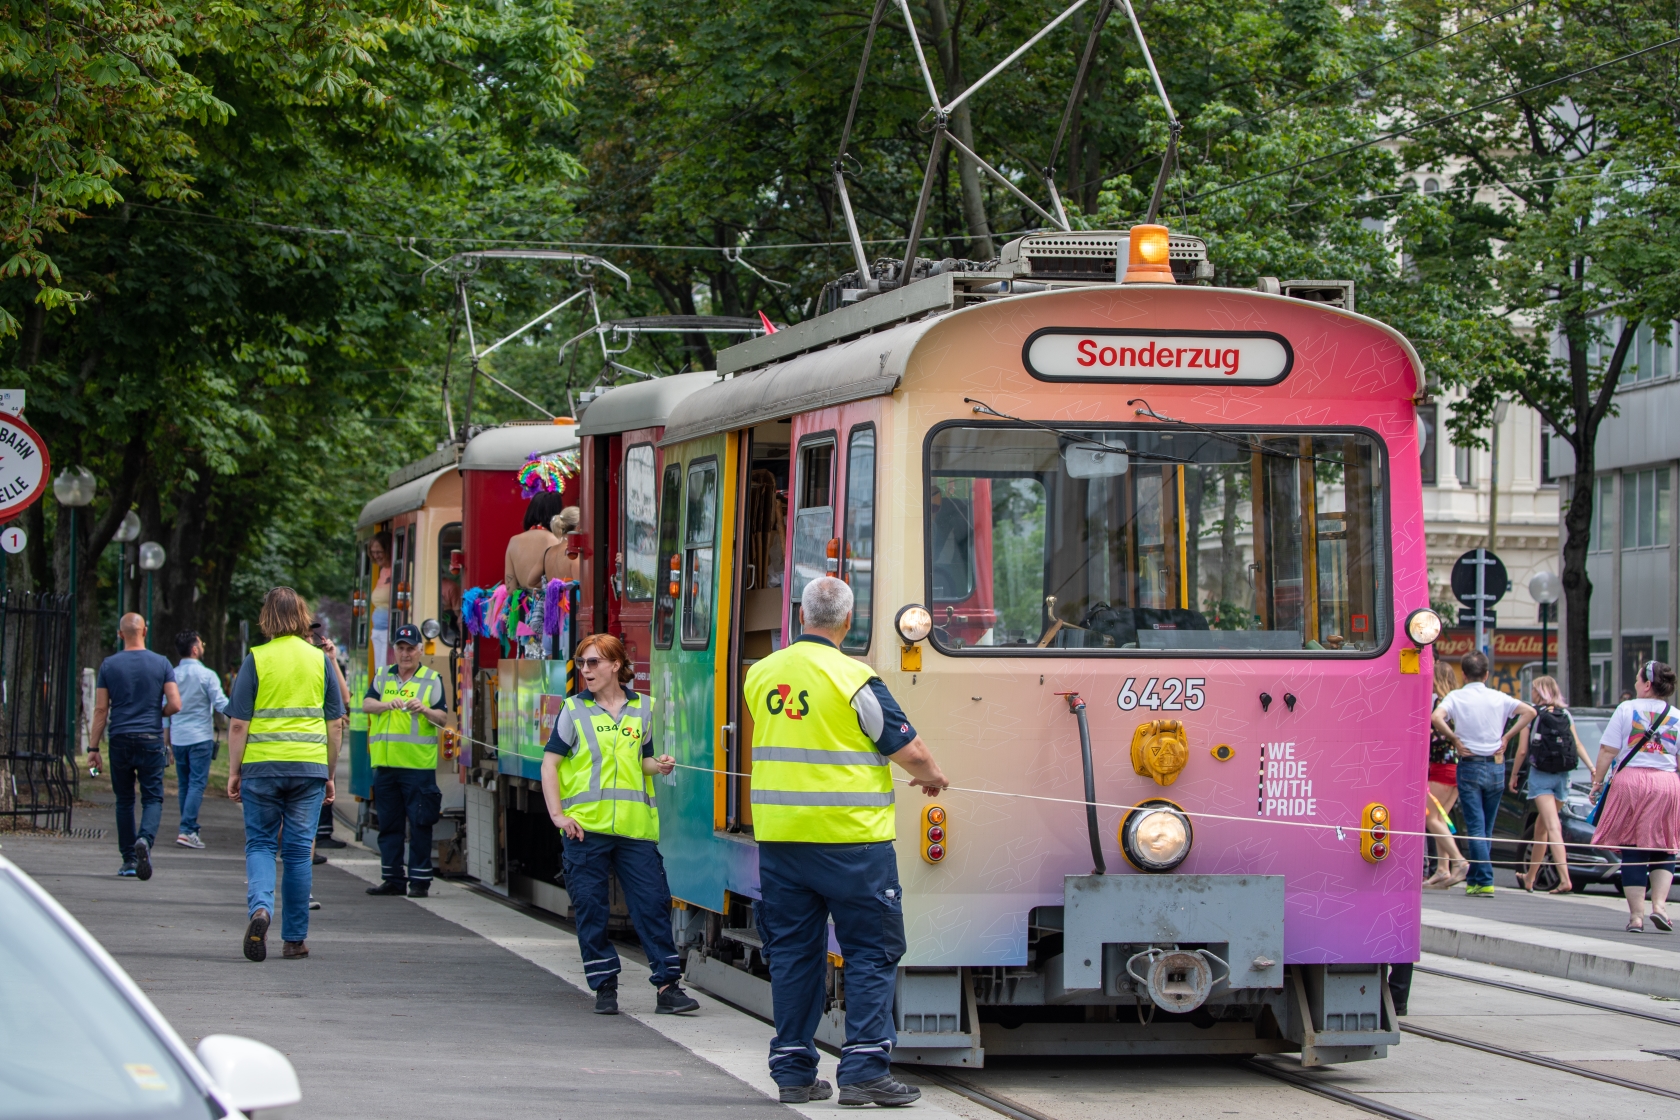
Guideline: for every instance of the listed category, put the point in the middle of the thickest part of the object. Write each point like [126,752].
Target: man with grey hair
[824,727]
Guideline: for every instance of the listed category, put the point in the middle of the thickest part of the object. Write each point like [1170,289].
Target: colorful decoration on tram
[547,473]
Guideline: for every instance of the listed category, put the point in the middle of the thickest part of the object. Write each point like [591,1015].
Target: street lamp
[127,532]
[1545,588]
[74,488]
[152,557]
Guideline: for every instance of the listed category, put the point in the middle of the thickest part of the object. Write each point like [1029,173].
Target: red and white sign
[24,466]
[1177,357]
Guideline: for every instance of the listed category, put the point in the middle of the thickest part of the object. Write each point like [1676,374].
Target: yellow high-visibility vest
[816,776]
[289,723]
[405,740]
[602,786]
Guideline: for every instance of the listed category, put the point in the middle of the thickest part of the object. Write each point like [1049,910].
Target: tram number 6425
[1172,690]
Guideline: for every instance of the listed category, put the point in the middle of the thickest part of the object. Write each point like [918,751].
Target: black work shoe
[883,1091]
[317,859]
[419,890]
[389,886]
[673,1000]
[804,1094]
[331,842]
[143,859]
[606,999]
[256,937]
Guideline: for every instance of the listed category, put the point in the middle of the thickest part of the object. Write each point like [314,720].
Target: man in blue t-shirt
[136,689]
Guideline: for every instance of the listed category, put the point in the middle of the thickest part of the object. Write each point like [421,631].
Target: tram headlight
[1423,626]
[914,623]
[430,629]
[1156,836]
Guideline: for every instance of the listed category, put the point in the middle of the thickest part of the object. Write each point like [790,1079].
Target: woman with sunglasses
[597,780]
[1641,813]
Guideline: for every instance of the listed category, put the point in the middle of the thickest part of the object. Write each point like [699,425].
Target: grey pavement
[396,1013]
[1600,912]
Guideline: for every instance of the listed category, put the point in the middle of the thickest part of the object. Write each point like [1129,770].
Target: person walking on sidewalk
[134,691]
[405,703]
[1477,716]
[597,771]
[1641,811]
[824,728]
[324,831]
[1553,750]
[1441,788]
[283,738]
[192,732]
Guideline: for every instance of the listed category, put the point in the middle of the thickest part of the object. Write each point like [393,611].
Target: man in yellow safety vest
[597,782]
[283,736]
[405,708]
[824,727]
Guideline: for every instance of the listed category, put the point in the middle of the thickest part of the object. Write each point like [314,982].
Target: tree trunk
[944,35]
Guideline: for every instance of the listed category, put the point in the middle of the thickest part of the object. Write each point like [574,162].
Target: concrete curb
[1565,955]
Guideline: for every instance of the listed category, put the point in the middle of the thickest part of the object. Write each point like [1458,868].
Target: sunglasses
[590,662]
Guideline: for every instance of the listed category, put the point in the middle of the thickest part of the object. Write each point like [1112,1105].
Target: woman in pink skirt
[1641,814]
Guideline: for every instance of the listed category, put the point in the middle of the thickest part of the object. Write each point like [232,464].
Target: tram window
[813,518]
[1240,541]
[449,584]
[670,519]
[859,535]
[641,552]
[699,551]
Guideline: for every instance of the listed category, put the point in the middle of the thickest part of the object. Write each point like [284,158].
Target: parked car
[79,1039]
[1515,821]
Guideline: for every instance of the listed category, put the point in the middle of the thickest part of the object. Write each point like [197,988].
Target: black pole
[1077,707]
[1545,617]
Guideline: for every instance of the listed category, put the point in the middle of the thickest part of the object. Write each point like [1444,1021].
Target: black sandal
[1635,928]
[1661,922]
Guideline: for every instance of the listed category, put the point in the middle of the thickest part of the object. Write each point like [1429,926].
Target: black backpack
[1551,742]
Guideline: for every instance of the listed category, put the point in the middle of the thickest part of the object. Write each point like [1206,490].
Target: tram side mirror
[1101,456]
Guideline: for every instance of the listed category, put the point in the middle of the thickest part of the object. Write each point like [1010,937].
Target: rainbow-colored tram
[1176,520]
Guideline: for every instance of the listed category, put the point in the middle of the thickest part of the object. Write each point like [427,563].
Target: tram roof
[643,404]
[850,371]
[508,447]
[411,495]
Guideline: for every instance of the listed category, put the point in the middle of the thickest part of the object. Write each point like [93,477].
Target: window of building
[1653,354]
[700,553]
[1464,465]
[1546,478]
[1604,512]
[668,572]
[1432,186]
[859,536]
[1428,420]
[641,537]
[1645,508]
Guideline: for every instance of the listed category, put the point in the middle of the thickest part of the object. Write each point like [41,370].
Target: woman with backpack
[1640,811]
[1552,749]
[1450,865]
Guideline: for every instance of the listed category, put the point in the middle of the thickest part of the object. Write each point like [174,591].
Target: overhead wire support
[1084,71]
[1017,53]
[1174,128]
[845,141]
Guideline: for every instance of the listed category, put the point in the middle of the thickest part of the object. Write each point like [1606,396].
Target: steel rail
[1537,1060]
[1302,1081]
[1579,1001]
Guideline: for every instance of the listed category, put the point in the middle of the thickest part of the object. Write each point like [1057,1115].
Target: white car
[79,1040]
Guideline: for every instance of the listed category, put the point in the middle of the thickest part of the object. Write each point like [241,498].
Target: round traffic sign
[1494,583]
[12,539]
[25,466]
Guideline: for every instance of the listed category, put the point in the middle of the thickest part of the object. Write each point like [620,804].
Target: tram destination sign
[1131,356]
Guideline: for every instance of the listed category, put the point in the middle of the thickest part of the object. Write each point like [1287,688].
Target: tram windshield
[1152,540]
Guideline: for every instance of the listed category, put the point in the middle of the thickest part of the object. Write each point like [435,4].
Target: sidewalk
[398,1011]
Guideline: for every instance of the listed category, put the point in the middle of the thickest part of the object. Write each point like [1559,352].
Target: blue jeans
[641,873]
[400,796]
[192,773]
[1481,784]
[803,884]
[137,758]
[280,817]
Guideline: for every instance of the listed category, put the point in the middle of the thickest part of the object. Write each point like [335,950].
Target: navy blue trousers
[404,797]
[802,886]
[641,873]
[137,759]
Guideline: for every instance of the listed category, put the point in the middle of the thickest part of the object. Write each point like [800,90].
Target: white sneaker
[190,840]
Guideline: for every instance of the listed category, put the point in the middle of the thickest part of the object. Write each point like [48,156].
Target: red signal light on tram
[934,838]
[1373,833]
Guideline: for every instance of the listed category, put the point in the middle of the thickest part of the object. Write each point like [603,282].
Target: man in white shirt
[1474,719]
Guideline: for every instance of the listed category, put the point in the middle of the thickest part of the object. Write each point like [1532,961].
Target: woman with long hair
[1638,756]
[1547,788]
[1450,865]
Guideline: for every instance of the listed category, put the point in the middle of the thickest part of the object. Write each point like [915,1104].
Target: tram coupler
[1077,707]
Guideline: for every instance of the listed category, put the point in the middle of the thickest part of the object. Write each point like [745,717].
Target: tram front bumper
[1237,918]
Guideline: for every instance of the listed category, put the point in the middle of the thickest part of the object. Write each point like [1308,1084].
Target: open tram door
[417,524]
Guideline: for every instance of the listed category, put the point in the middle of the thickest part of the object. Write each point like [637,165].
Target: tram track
[1536,1059]
[1524,989]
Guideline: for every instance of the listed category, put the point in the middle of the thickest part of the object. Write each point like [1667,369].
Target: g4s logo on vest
[777,700]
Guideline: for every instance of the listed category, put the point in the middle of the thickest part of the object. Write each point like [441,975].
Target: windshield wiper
[1252,446]
[1075,436]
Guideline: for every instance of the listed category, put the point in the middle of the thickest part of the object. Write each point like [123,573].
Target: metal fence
[37,779]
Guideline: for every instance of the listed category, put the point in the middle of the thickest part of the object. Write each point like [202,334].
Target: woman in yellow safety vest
[597,774]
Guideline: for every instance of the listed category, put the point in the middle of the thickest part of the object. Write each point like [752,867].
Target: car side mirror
[250,1075]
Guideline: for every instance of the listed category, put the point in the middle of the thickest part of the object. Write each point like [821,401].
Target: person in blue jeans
[1477,730]
[134,691]
[192,731]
